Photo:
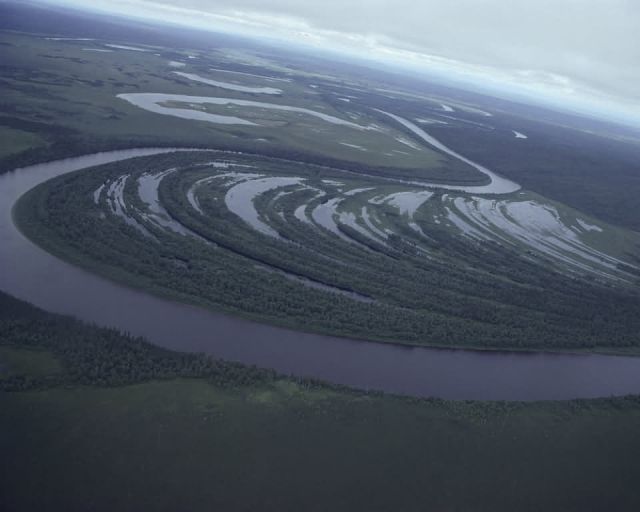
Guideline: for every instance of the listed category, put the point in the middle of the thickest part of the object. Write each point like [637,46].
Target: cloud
[584,51]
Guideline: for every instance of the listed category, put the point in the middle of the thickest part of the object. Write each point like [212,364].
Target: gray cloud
[573,47]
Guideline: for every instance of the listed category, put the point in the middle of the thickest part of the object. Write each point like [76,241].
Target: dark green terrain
[110,423]
[480,294]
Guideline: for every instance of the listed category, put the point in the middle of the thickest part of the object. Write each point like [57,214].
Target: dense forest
[479,294]
[95,356]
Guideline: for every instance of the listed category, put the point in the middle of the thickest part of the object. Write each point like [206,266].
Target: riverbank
[413,371]
[252,440]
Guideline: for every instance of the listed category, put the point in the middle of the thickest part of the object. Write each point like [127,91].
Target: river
[31,274]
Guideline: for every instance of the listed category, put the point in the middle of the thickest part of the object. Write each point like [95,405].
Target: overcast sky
[584,52]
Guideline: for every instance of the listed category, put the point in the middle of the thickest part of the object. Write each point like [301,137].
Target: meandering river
[31,274]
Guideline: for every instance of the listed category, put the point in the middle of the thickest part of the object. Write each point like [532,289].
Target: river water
[31,274]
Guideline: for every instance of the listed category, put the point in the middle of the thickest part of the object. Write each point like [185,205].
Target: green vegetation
[35,363]
[480,294]
[40,350]
[108,435]
[16,141]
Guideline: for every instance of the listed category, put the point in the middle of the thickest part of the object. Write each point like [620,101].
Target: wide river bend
[31,274]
